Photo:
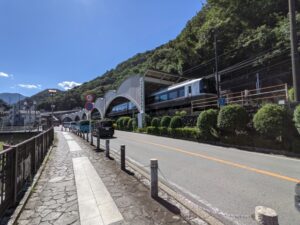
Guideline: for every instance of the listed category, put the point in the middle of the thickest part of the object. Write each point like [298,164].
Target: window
[190,90]
[163,97]
[173,95]
[181,92]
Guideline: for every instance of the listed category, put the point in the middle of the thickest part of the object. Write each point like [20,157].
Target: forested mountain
[244,28]
[11,98]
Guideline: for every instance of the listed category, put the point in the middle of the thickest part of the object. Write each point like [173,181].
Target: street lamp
[52,92]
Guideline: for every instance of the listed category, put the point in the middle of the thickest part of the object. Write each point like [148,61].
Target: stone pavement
[55,200]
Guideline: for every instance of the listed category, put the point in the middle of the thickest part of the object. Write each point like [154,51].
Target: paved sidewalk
[105,194]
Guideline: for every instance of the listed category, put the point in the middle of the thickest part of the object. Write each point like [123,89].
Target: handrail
[244,97]
[19,164]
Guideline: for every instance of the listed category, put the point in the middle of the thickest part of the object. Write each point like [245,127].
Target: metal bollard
[92,139]
[265,216]
[123,165]
[98,142]
[107,148]
[154,178]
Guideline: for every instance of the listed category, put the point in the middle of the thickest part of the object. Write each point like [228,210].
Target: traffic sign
[89,98]
[89,106]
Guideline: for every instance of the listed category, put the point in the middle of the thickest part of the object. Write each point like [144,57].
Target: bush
[297,116]
[180,113]
[124,124]
[147,121]
[155,122]
[163,131]
[165,121]
[232,118]
[175,122]
[291,95]
[207,121]
[131,125]
[152,130]
[134,124]
[119,122]
[270,120]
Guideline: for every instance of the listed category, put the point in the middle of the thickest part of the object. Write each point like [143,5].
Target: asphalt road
[227,181]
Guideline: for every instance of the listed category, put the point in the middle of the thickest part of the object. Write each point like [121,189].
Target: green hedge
[207,121]
[155,122]
[182,133]
[297,116]
[269,120]
[152,130]
[165,121]
[291,94]
[175,122]
[232,118]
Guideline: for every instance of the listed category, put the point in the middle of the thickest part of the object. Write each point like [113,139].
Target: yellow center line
[241,166]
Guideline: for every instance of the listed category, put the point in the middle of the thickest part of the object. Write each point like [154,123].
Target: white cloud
[30,86]
[2,74]
[67,85]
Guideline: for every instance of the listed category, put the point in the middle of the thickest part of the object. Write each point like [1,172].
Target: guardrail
[246,98]
[18,128]
[19,164]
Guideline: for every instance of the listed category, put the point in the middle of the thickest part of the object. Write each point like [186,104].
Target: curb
[17,212]
[189,205]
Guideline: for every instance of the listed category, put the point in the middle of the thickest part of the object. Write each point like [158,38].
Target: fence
[246,98]
[19,164]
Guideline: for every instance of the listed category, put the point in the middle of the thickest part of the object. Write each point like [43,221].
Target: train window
[163,97]
[190,90]
[173,94]
[181,92]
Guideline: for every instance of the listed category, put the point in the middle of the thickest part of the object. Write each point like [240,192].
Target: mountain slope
[11,98]
[40,97]
[245,28]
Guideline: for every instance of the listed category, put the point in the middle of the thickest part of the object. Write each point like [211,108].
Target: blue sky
[44,43]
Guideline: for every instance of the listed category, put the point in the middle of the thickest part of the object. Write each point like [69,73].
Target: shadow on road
[172,208]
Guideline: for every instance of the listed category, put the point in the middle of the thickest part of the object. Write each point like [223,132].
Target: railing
[17,128]
[246,98]
[19,164]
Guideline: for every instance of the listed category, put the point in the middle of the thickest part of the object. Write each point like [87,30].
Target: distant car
[104,128]
[84,126]
[66,124]
[73,126]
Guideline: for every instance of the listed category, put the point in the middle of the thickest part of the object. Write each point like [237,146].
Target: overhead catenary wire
[259,55]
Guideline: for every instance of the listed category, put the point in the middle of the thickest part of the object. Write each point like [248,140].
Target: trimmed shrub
[232,118]
[155,122]
[297,116]
[207,121]
[270,120]
[118,123]
[163,131]
[175,122]
[147,121]
[122,123]
[131,124]
[190,132]
[291,95]
[165,121]
[134,124]
[152,130]
[141,130]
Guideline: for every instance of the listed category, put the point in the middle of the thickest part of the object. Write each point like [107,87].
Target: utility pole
[216,65]
[294,50]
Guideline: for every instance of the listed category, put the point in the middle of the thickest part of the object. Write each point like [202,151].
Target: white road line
[96,205]
[73,146]
[67,136]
